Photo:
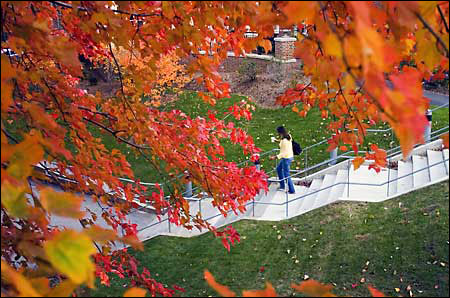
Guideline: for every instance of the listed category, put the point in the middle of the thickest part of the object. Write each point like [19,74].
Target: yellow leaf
[426,49]
[97,233]
[135,292]
[64,289]
[332,46]
[22,285]
[427,8]
[7,87]
[69,252]
[353,51]
[8,72]
[26,154]
[61,203]
[14,200]
[6,97]
[41,284]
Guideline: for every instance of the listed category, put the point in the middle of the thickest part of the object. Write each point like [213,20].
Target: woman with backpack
[286,157]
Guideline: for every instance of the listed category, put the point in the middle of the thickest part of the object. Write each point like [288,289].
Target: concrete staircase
[428,164]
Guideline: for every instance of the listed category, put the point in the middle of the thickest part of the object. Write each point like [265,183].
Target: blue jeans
[283,170]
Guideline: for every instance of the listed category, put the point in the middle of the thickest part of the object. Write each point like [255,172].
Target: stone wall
[231,64]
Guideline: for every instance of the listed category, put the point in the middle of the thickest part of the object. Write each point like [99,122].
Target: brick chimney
[284,47]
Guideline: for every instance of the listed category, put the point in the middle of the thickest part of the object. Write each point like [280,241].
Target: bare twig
[443,18]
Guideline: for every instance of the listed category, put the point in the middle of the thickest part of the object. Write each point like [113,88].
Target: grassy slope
[404,239]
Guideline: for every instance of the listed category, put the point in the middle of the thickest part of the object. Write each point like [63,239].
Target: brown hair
[282,131]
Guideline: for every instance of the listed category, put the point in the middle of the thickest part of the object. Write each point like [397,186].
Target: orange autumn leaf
[269,291]
[61,203]
[135,292]
[266,44]
[21,283]
[314,288]
[445,141]
[224,291]
[374,292]
[357,162]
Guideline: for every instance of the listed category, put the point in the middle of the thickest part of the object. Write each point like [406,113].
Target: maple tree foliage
[350,51]
[170,76]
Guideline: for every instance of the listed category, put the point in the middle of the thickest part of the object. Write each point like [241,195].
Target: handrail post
[253,207]
[392,139]
[287,205]
[306,162]
[188,192]
[168,221]
[427,132]
[333,156]
[200,205]
[348,179]
[389,177]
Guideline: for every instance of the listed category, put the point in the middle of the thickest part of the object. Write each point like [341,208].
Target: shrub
[247,71]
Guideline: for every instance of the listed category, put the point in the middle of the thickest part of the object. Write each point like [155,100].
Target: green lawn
[404,242]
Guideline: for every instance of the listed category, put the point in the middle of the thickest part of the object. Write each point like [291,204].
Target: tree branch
[9,136]
[439,40]
[121,81]
[66,5]
[114,133]
[106,115]
[350,110]
[349,70]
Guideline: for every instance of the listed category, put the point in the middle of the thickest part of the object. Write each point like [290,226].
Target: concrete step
[337,191]
[446,157]
[310,199]
[437,171]
[297,201]
[392,174]
[376,188]
[323,195]
[262,199]
[420,164]
[406,183]
[278,208]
